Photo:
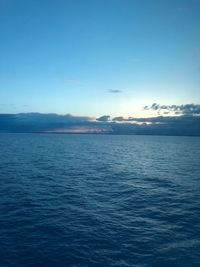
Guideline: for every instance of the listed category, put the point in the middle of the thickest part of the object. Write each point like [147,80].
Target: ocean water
[99,200]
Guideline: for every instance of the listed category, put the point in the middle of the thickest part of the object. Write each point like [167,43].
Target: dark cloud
[120,118]
[103,118]
[185,124]
[155,106]
[75,119]
[171,125]
[51,118]
[188,109]
[36,122]
[114,91]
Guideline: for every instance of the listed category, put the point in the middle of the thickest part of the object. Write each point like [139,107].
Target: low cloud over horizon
[185,121]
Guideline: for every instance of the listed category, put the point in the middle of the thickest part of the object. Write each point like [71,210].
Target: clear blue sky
[67,56]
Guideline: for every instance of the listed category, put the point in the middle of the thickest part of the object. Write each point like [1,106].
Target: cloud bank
[103,118]
[186,121]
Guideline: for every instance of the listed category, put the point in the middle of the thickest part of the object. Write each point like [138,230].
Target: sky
[98,57]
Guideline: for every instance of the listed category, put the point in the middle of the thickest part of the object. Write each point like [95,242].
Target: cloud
[51,117]
[114,91]
[170,125]
[181,124]
[104,118]
[187,109]
[38,122]
[120,118]
[75,119]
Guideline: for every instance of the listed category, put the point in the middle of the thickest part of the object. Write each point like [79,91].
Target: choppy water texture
[94,200]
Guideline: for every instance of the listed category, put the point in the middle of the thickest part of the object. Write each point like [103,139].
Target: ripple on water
[89,200]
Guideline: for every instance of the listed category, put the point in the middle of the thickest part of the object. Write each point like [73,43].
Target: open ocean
[99,200]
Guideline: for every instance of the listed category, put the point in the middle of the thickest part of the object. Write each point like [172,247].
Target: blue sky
[96,57]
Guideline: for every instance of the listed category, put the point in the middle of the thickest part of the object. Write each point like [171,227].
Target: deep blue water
[99,200]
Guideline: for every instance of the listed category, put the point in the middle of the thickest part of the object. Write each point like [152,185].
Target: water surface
[99,200]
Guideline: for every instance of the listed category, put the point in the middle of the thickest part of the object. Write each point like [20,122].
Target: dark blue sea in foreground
[99,200]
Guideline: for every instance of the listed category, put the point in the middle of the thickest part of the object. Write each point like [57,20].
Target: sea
[81,200]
